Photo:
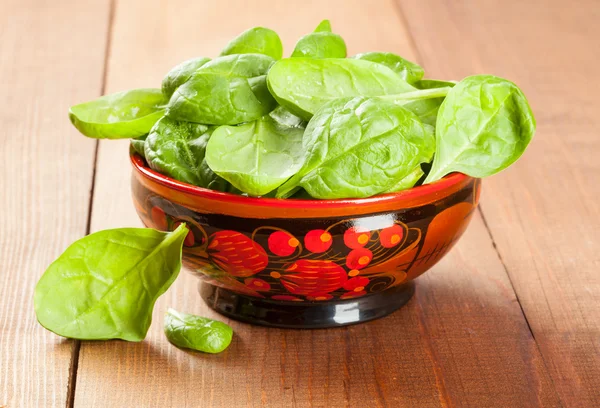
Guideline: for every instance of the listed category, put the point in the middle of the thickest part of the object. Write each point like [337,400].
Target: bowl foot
[305,315]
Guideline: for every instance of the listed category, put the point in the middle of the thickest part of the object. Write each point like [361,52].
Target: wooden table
[511,318]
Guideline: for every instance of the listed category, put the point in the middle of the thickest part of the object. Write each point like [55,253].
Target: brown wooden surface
[45,177]
[510,318]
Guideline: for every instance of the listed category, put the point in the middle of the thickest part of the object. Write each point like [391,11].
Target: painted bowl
[307,263]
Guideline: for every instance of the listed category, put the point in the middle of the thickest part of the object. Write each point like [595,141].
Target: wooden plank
[464,314]
[45,177]
[543,213]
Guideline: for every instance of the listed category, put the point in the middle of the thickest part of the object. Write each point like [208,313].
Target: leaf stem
[419,94]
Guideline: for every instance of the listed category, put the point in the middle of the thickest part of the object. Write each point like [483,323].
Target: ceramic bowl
[307,263]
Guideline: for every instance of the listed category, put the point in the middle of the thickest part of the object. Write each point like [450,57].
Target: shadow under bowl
[307,263]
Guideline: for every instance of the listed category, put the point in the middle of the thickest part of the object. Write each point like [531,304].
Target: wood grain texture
[543,213]
[45,177]
[462,341]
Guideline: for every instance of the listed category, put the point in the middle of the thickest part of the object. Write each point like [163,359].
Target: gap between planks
[74,363]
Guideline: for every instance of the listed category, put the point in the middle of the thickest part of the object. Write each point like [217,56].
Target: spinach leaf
[423,103]
[181,73]
[138,145]
[322,43]
[104,286]
[257,40]
[433,83]
[256,157]
[177,149]
[197,333]
[409,71]
[286,118]
[324,25]
[483,126]
[303,85]
[226,91]
[358,147]
[121,115]
[410,180]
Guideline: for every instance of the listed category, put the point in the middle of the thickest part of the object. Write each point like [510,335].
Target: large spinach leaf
[226,91]
[483,126]
[358,147]
[177,149]
[321,43]
[256,157]
[409,71]
[303,85]
[257,40]
[181,73]
[104,286]
[120,115]
[197,333]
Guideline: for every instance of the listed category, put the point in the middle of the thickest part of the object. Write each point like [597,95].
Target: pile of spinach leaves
[316,124]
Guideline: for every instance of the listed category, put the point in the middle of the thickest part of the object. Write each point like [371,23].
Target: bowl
[307,263]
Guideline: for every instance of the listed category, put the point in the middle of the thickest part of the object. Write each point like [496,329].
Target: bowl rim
[434,189]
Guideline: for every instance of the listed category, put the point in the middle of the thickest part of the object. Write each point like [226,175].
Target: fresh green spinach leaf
[433,83]
[483,126]
[324,25]
[256,157]
[226,91]
[321,43]
[358,147]
[303,85]
[410,180]
[257,40]
[197,333]
[104,286]
[286,118]
[121,115]
[181,73]
[409,71]
[424,103]
[138,145]
[177,149]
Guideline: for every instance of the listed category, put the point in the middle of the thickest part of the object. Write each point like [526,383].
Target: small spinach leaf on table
[257,40]
[197,333]
[177,149]
[321,43]
[359,147]
[181,73]
[120,115]
[483,126]
[409,71]
[256,157]
[104,286]
[303,85]
[226,91]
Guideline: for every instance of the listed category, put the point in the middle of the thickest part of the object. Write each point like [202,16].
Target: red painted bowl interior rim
[419,191]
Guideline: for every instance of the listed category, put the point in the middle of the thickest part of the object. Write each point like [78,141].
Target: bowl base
[305,315]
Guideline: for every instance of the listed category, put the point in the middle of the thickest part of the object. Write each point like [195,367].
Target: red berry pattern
[282,243]
[307,277]
[237,254]
[318,241]
[356,237]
